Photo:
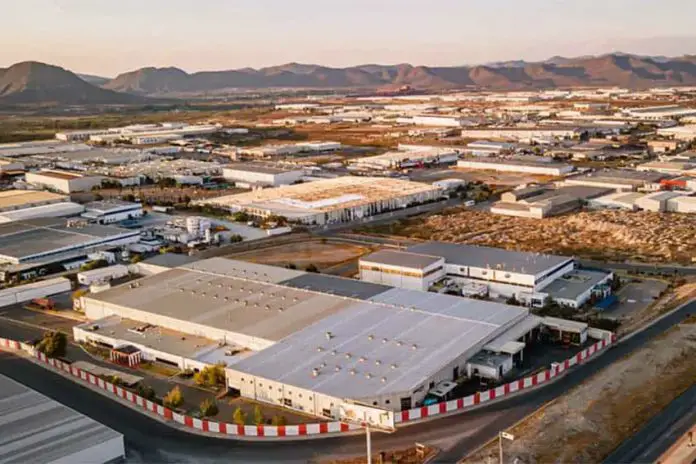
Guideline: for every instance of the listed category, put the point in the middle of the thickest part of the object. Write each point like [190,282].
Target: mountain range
[614,69]
[32,82]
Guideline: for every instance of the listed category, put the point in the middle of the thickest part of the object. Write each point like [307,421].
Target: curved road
[148,440]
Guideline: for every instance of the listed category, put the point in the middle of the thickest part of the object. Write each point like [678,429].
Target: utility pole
[369,444]
[503,435]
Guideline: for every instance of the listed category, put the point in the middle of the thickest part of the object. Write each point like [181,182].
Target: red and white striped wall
[527,383]
[324,428]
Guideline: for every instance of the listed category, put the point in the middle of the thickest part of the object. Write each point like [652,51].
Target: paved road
[660,433]
[149,441]
[642,267]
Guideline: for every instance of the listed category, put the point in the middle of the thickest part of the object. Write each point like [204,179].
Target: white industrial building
[54,210]
[658,113]
[667,167]
[621,180]
[435,120]
[306,341]
[544,168]
[487,148]
[102,274]
[682,204]
[41,289]
[39,147]
[402,270]
[617,200]
[112,211]
[658,201]
[519,135]
[63,181]
[342,199]
[11,200]
[270,151]
[260,175]
[684,133]
[405,159]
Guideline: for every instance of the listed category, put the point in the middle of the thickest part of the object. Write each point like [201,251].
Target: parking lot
[635,296]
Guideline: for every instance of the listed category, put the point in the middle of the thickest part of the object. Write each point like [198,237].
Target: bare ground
[591,420]
[322,255]
[615,235]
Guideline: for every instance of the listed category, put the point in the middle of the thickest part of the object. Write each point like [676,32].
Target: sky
[108,37]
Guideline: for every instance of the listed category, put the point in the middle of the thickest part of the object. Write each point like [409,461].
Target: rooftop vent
[315,372]
[414,347]
[383,380]
[399,343]
[368,376]
[334,352]
[370,337]
[352,372]
[329,335]
[337,368]
[347,355]
[320,349]
[280,309]
[393,366]
[377,362]
[384,340]
[363,359]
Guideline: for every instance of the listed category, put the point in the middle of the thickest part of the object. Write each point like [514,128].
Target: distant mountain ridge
[613,69]
[31,82]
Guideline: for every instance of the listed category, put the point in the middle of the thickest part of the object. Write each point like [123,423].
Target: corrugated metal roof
[401,258]
[34,428]
[493,258]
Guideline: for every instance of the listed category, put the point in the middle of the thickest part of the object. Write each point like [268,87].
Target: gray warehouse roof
[336,286]
[380,350]
[574,284]
[493,258]
[402,259]
[34,428]
[22,239]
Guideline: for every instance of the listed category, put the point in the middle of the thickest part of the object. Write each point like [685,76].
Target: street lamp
[503,435]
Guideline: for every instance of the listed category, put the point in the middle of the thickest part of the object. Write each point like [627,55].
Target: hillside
[31,82]
[614,69]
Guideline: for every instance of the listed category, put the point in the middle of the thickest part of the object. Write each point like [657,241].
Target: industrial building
[622,180]
[405,159]
[658,202]
[617,200]
[484,271]
[11,200]
[668,167]
[306,341]
[270,151]
[248,175]
[36,428]
[112,211]
[39,147]
[31,247]
[435,120]
[63,181]
[141,133]
[342,199]
[486,148]
[530,166]
[54,210]
[540,202]
[684,133]
[658,113]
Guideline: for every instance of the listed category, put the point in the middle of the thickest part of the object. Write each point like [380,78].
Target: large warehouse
[11,200]
[544,168]
[405,159]
[260,175]
[308,341]
[63,181]
[343,199]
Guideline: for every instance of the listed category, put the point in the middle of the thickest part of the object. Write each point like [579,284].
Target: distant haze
[107,38]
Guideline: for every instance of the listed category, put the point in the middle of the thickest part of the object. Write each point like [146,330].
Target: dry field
[590,421]
[613,235]
[322,255]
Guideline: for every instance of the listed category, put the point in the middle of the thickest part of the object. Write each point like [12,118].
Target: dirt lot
[612,235]
[322,255]
[406,456]
[587,423]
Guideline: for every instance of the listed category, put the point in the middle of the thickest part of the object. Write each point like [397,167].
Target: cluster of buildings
[316,343]
[140,134]
[327,201]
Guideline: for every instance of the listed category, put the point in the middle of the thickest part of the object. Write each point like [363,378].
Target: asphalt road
[150,441]
[660,433]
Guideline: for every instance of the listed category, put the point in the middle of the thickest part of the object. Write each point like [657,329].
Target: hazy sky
[111,36]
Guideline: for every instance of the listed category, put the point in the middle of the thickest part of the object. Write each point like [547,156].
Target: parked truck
[43,303]
[103,274]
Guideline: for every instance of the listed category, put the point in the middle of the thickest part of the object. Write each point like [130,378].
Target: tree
[146,392]
[512,301]
[210,376]
[239,416]
[53,344]
[174,398]
[279,420]
[208,408]
[240,216]
[258,415]
[236,238]
[312,268]
[136,259]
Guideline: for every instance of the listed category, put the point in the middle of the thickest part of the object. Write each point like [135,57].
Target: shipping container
[103,274]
